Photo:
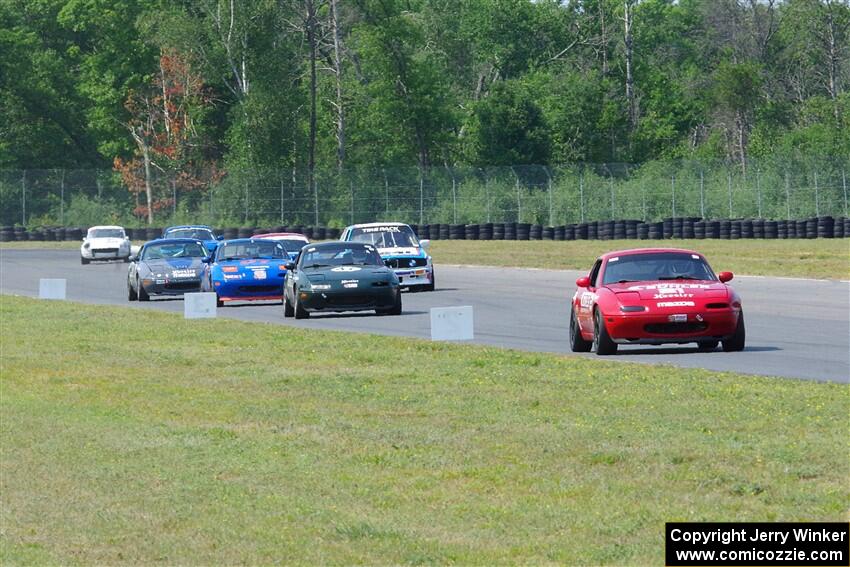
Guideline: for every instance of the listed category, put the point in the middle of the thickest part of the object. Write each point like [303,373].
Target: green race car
[340,276]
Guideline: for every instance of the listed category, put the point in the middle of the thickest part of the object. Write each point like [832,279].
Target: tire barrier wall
[669,228]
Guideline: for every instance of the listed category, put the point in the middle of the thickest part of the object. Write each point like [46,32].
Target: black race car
[166,267]
[340,276]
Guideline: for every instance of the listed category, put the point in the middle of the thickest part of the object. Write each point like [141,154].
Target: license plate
[678,318]
[259,274]
[183,274]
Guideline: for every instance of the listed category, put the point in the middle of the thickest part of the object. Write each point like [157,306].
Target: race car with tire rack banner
[400,249]
[655,296]
[338,277]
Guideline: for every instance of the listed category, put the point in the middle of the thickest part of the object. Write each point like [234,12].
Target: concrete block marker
[199,305]
[51,288]
[451,323]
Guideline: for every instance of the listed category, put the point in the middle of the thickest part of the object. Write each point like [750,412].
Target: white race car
[105,243]
[400,249]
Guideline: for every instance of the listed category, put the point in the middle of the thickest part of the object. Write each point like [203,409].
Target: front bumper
[105,253]
[171,286]
[360,299]
[270,289]
[657,327]
[409,277]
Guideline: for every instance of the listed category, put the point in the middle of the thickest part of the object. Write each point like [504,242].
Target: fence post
[611,184]
[758,189]
[351,190]
[518,198]
[62,199]
[549,188]
[245,215]
[817,197]
[787,196]
[844,185]
[386,194]
[729,185]
[454,194]
[581,193]
[673,189]
[701,194]
[421,196]
[486,193]
[643,198]
[24,198]
[281,197]
[173,199]
[316,200]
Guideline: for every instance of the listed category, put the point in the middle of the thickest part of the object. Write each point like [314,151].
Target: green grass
[223,442]
[817,258]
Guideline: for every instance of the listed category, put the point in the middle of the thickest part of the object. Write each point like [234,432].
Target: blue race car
[246,269]
[200,232]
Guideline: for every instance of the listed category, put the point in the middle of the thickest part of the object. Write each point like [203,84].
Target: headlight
[86,245]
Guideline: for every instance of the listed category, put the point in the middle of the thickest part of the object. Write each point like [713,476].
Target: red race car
[655,296]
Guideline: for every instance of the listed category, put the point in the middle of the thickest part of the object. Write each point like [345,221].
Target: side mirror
[207,259]
[220,237]
[133,258]
[290,266]
[425,244]
[725,276]
[387,263]
[583,281]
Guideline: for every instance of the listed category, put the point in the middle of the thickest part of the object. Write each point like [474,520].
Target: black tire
[288,311]
[395,309]
[218,301]
[126,259]
[602,343]
[84,261]
[577,342]
[298,310]
[736,342]
[706,346]
[143,295]
[131,293]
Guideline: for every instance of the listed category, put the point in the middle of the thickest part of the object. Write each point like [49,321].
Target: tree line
[194,90]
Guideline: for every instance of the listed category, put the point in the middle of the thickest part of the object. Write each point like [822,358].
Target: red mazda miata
[655,296]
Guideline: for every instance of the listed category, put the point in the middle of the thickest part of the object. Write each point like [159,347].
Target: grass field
[134,436]
[819,258]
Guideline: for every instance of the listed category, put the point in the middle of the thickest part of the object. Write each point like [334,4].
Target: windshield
[195,233]
[251,250]
[657,266]
[340,255]
[106,233]
[173,250]
[386,236]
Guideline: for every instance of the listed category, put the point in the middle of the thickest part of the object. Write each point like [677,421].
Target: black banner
[757,543]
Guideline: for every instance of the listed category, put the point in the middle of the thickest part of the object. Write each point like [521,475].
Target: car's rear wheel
[84,261]
[131,293]
[577,342]
[288,311]
[299,311]
[706,346]
[143,295]
[736,342]
[602,343]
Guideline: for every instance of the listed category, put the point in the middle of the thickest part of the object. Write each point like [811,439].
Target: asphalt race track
[795,328]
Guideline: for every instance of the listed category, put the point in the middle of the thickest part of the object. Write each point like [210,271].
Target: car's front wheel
[288,311]
[736,342]
[131,293]
[602,343]
[577,342]
[433,284]
[395,309]
[298,310]
[706,346]
[84,261]
[143,295]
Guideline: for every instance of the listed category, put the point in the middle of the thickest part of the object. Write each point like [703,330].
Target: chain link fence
[545,195]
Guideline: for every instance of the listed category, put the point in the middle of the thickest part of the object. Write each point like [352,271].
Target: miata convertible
[340,276]
[655,296]
[170,266]
[246,269]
